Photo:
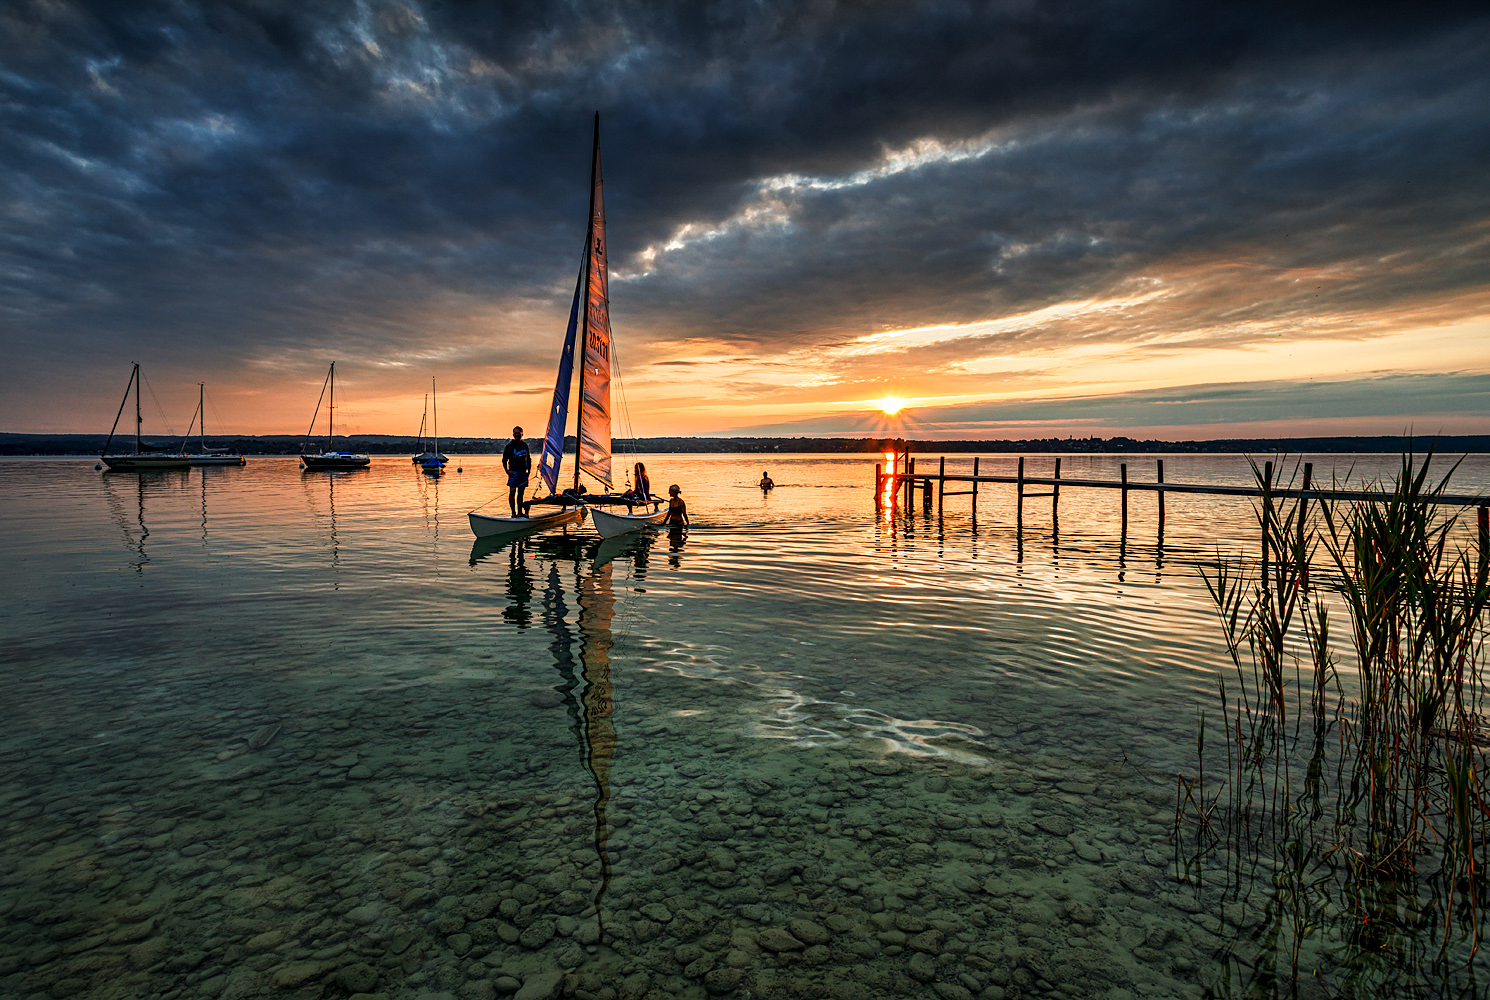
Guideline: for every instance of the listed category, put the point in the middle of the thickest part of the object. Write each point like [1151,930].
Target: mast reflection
[579,619]
[596,608]
[134,540]
[308,485]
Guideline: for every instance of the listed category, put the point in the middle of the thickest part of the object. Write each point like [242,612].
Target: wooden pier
[888,486]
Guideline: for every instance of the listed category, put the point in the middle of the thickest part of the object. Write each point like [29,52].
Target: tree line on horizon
[14,444]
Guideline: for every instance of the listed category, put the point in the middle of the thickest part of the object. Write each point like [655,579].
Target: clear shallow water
[277,733]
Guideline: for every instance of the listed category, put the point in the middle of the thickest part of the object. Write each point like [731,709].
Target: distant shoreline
[66,445]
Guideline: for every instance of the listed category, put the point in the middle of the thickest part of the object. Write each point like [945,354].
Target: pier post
[910,481]
[1019,502]
[975,489]
[1267,517]
[1123,469]
[1303,510]
[1161,501]
[1484,515]
[941,482]
[879,484]
[1055,496]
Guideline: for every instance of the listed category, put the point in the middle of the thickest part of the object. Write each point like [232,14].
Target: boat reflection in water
[311,487]
[127,506]
[581,644]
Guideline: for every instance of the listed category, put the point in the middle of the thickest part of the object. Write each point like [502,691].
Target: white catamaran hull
[485,526]
[610,525]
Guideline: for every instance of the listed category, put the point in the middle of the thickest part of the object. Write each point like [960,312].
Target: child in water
[677,510]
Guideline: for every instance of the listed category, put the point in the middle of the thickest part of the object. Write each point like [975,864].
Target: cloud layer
[809,205]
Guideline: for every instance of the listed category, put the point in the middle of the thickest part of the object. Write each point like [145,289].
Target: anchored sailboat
[210,456]
[329,459]
[593,433]
[425,454]
[434,462]
[147,457]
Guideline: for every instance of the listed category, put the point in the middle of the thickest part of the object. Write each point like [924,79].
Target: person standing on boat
[518,463]
[677,510]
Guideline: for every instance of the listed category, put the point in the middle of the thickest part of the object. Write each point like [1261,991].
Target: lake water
[279,733]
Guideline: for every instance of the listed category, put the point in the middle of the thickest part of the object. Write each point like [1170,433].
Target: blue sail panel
[558,415]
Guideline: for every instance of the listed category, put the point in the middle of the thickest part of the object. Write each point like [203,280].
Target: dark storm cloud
[279,183]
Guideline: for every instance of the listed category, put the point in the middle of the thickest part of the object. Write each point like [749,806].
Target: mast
[201,399]
[435,399]
[579,417]
[331,413]
[138,418]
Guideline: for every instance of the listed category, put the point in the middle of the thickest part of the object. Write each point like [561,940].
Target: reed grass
[1355,807]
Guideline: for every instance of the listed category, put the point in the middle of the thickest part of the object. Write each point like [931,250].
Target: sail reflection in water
[581,646]
[596,607]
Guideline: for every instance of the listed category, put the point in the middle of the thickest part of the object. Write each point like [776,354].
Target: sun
[891,405]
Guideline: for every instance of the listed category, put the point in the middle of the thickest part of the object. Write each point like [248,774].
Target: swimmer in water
[677,510]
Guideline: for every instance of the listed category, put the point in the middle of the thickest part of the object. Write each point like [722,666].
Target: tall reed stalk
[1363,787]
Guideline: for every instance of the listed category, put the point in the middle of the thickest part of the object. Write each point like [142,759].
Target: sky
[1026,219]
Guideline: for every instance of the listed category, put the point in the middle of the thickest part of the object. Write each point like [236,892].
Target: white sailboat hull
[610,525]
[145,463]
[485,526]
[335,460]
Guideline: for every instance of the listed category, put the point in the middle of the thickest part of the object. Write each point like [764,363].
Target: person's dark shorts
[515,479]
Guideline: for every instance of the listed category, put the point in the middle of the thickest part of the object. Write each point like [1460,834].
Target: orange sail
[594,423]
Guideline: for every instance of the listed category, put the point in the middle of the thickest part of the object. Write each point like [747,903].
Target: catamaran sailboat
[147,457]
[329,459]
[592,301]
[210,456]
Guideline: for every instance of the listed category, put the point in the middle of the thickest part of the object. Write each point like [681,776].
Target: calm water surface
[277,733]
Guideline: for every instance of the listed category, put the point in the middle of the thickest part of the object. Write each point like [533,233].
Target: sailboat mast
[435,410]
[331,413]
[201,399]
[138,418]
[579,434]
